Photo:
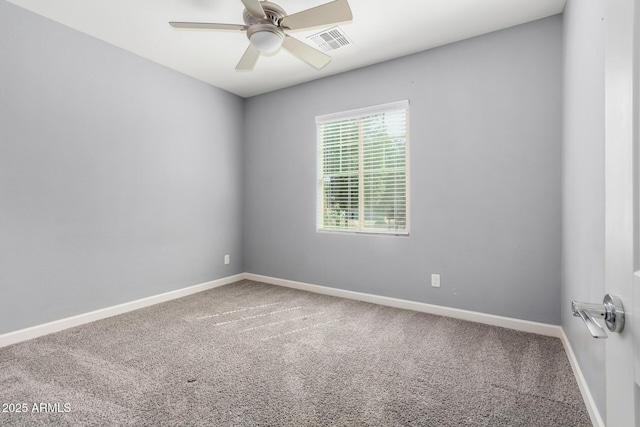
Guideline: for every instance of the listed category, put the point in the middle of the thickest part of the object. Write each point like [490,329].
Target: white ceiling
[378,33]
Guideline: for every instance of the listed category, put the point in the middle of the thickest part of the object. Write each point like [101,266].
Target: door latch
[610,312]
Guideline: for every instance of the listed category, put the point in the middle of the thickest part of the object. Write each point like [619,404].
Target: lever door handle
[611,312]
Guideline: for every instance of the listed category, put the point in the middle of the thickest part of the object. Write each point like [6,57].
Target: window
[363,173]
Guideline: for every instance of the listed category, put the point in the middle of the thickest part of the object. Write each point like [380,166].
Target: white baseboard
[489,319]
[473,316]
[594,414]
[70,322]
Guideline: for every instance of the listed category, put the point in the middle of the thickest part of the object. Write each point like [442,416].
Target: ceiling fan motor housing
[266,34]
[272,11]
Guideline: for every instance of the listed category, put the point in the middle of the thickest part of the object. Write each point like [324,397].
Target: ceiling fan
[267,24]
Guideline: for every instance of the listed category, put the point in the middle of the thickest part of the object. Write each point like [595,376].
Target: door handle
[610,312]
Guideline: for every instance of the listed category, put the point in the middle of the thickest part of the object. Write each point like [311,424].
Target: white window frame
[360,113]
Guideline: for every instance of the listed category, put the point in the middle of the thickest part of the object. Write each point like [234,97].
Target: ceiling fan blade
[254,7]
[333,13]
[249,59]
[208,26]
[311,56]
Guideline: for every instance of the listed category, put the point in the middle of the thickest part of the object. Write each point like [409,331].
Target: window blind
[363,170]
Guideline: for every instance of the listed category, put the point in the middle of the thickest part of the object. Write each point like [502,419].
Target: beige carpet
[252,354]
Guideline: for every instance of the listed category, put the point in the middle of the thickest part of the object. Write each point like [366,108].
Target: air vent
[331,39]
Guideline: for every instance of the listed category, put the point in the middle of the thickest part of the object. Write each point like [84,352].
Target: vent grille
[331,39]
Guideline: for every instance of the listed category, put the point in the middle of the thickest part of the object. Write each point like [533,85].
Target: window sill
[388,233]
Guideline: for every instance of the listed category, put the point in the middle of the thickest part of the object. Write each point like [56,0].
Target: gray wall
[485,178]
[583,182]
[119,178]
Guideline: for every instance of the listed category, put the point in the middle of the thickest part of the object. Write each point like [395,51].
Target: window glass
[363,170]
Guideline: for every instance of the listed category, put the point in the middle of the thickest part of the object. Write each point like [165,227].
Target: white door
[621,212]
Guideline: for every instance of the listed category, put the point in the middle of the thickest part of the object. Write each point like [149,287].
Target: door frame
[621,208]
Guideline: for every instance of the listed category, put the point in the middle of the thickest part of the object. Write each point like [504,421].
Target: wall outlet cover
[435,280]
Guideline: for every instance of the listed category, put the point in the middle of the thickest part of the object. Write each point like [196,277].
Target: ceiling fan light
[266,41]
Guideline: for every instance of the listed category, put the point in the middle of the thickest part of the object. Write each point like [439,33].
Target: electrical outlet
[227,260]
[435,280]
